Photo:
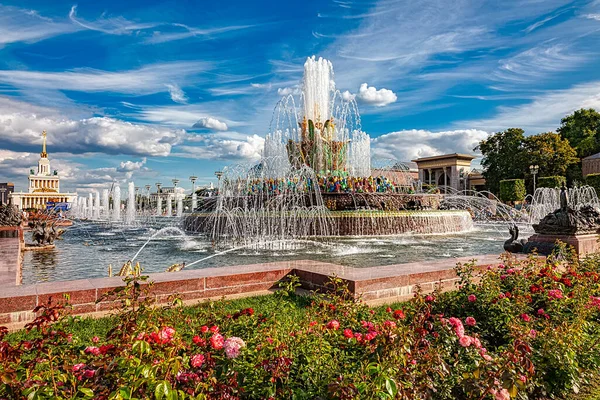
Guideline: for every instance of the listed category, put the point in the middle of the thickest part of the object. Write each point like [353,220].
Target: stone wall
[11,258]
[376,285]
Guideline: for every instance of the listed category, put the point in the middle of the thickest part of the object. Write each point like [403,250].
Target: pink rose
[389,324]
[502,395]
[333,324]
[465,341]
[348,333]
[89,373]
[472,298]
[232,346]
[92,350]
[470,321]
[458,326]
[533,333]
[197,360]
[525,317]
[216,341]
[429,298]
[95,339]
[555,294]
[77,367]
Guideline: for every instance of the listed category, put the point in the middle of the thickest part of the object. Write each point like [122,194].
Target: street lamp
[193,179]
[148,190]
[534,169]
[219,174]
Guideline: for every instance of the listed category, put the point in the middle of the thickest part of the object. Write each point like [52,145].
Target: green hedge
[594,181]
[512,190]
[555,181]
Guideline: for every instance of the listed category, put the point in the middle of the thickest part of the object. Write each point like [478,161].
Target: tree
[582,130]
[502,157]
[550,152]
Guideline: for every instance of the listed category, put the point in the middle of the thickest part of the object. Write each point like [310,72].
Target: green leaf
[87,392]
[391,387]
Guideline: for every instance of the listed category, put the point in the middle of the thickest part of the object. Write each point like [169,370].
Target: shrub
[594,181]
[526,329]
[551,181]
[512,190]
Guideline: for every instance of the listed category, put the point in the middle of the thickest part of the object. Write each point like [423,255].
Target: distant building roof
[592,157]
[446,156]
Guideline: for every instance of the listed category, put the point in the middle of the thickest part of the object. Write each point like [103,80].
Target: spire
[43,154]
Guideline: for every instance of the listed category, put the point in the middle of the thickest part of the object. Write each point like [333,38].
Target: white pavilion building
[44,186]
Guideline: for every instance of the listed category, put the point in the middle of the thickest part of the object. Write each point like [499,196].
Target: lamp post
[193,179]
[147,187]
[534,169]
[219,174]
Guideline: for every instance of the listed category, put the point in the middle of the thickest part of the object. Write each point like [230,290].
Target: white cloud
[347,96]
[181,31]
[544,112]
[145,80]
[177,95]
[211,123]
[112,26]
[593,16]
[288,90]
[379,98]
[130,166]
[21,25]
[216,147]
[22,124]
[266,86]
[410,144]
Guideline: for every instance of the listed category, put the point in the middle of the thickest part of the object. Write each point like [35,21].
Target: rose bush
[526,330]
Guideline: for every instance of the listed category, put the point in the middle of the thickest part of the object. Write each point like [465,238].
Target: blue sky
[151,91]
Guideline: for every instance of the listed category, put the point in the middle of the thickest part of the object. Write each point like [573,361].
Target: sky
[148,91]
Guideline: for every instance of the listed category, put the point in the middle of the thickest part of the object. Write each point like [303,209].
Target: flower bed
[521,330]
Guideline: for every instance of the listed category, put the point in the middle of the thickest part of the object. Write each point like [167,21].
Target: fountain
[316,179]
[130,215]
[179,204]
[97,206]
[170,205]
[116,215]
[105,205]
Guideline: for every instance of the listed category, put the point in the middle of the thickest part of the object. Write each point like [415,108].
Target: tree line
[508,154]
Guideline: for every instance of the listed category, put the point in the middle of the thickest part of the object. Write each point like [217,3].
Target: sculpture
[10,216]
[43,234]
[564,198]
[514,245]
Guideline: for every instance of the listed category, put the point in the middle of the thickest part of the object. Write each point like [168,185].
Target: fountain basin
[346,223]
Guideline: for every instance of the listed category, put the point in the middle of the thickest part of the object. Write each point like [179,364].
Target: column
[445,176]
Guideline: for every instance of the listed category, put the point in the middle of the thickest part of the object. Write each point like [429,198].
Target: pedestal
[584,244]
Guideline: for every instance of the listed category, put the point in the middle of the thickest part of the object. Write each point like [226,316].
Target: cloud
[112,26]
[21,25]
[347,96]
[593,16]
[414,143]
[544,112]
[378,98]
[210,123]
[129,166]
[266,86]
[177,95]
[145,80]
[295,90]
[182,31]
[21,124]
[216,147]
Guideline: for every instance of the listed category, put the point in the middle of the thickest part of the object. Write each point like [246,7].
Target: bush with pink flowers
[529,333]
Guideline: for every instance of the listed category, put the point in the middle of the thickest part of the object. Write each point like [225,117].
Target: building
[452,170]
[43,187]
[590,165]
[5,190]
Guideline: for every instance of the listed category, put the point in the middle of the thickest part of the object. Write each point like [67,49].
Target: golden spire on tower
[43,154]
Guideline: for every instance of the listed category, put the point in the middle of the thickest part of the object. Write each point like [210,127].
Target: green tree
[582,130]
[550,152]
[502,157]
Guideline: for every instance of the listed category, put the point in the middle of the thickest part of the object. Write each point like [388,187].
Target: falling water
[130,215]
[547,200]
[105,207]
[90,206]
[179,197]
[97,206]
[158,204]
[117,204]
[170,205]
[194,201]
